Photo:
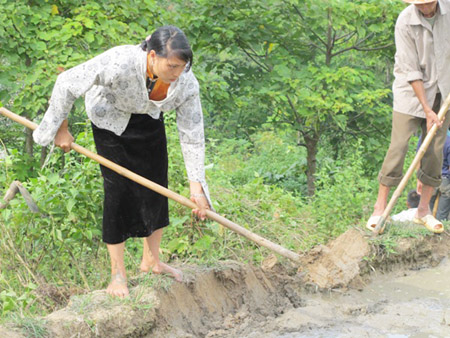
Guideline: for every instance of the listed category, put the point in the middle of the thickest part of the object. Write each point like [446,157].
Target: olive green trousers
[403,127]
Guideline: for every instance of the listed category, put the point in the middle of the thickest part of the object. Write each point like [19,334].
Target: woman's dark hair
[168,41]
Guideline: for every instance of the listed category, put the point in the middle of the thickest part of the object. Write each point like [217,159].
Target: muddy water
[414,304]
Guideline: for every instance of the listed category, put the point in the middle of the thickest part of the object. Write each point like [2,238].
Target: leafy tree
[314,65]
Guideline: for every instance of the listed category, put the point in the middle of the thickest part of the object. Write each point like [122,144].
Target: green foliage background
[296,98]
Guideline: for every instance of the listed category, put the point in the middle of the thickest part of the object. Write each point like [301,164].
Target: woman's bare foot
[147,264]
[150,257]
[167,269]
[118,286]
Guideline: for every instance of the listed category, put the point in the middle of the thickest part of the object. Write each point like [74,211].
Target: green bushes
[277,160]
[55,246]
[344,195]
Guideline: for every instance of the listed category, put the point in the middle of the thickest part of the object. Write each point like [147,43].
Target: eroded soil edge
[210,302]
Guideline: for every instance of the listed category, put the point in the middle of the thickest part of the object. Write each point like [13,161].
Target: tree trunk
[311,141]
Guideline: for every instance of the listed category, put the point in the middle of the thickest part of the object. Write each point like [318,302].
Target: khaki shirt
[423,53]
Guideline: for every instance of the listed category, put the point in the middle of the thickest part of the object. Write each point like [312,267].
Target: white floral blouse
[114,85]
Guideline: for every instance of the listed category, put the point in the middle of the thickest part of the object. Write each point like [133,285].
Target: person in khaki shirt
[422,81]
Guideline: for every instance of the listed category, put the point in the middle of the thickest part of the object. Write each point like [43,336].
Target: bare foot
[167,269]
[147,259]
[146,264]
[118,286]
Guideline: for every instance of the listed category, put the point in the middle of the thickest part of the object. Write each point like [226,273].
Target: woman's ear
[152,55]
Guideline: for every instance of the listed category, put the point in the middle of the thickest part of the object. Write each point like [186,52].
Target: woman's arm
[69,86]
[192,140]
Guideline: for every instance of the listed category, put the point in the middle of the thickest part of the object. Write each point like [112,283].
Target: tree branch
[357,46]
[297,116]
[314,33]
[345,37]
[261,65]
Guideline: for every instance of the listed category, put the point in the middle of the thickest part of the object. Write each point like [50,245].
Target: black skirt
[131,210]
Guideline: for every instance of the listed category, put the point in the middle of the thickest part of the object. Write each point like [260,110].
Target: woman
[126,90]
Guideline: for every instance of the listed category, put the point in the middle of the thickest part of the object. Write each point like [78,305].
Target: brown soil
[232,300]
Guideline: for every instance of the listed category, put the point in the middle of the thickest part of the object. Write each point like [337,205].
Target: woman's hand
[199,198]
[64,138]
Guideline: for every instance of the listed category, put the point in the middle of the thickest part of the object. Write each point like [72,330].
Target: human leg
[158,267]
[424,215]
[429,172]
[403,127]
[118,286]
[131,210]
[424,203]
[431,164]
[380,204]
[391,173]
[147,257]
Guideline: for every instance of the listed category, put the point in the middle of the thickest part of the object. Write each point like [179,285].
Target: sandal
[372,223]
[430,223]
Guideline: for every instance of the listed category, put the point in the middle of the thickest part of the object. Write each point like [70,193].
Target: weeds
[151,281]
[30,327]
[395,231]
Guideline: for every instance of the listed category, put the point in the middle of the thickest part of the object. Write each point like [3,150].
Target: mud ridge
[211,302]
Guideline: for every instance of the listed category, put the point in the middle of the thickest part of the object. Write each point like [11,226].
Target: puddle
[428,283]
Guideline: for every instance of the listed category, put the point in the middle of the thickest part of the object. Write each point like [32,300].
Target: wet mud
[413,304]
[351,287]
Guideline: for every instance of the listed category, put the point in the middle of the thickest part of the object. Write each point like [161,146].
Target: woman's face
[167,69]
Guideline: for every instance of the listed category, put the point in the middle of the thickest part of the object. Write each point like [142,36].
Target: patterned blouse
[114,87]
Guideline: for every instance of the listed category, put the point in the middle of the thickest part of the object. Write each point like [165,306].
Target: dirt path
[349,288]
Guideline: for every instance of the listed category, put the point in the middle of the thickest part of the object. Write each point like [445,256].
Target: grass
[149,280]
[138,300]
[30,327]
[395,231]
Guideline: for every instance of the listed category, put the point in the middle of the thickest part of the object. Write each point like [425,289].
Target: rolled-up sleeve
[407,58]
[69,85]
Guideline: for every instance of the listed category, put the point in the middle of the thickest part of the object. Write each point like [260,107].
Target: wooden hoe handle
[165,192]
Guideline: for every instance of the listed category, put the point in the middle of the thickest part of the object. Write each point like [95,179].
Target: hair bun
[144,45]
